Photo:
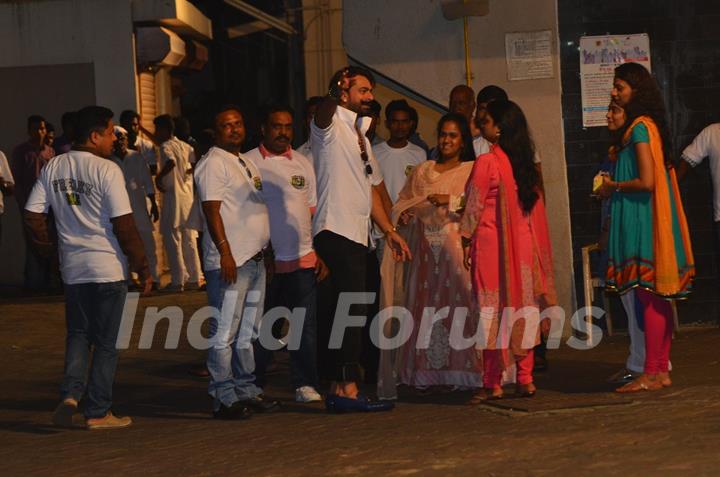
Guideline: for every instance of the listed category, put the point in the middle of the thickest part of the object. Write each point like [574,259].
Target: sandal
[664,379]
[643,383]
[482,395]
[525,390]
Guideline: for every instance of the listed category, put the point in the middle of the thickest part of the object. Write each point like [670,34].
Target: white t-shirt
[289,192]
[6,175]
[396,164]
[305,150]
[343,187]
[84,192]
[139,184]
[221,176]
[146,149]
[178,183]
[707,144]
[481,145]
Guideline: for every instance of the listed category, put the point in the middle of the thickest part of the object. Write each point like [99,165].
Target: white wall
[411,42]
[74,31]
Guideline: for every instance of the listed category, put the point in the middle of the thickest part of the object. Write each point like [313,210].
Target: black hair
[491,93]
[35,119]
[164,121]
[375,108]
[276,108]
[182,128]
[352,72]
[646,100]
[400,105]
[223,108]
[91,119]
[468,152]
[516,142]
[312,101]
[128,115]
[49,127]
[68,120]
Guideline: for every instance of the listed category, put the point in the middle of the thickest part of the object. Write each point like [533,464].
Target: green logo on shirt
[73,198]
[298,182]
[408,169]
[257,182]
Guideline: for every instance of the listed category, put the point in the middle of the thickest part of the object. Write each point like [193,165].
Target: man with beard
[348,196]
[236,231]
[289,191]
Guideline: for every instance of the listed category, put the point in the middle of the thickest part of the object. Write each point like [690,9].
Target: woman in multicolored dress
[649,243]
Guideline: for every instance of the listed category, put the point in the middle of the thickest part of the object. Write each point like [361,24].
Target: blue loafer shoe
[340,404]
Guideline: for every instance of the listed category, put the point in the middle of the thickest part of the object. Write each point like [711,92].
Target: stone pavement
[575,425]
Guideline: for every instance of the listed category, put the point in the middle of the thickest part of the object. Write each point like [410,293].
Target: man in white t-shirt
[7,185]
[348,196]
[175,181]
[236,232]
[706,144]
[98,243]
[140,189]
[130,121]
[289,191]
[397,157]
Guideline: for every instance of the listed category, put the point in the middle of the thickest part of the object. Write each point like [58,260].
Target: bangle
[617,187]
[389,231]
[220,243]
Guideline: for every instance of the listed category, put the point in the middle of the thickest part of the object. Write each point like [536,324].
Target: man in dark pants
[290,194]
[98,243]
[348,196]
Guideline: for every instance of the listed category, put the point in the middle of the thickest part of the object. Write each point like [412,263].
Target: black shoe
[236,411]
[261,404]
[341,404]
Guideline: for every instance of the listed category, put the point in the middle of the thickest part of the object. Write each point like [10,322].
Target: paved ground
[672,432]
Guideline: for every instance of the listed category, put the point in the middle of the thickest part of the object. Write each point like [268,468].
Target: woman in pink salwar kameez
[428,217]
[507,249]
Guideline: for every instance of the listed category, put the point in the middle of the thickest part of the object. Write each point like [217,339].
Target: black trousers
[347,261]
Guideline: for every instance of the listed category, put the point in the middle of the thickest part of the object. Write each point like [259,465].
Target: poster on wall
[599,55]
[529,55]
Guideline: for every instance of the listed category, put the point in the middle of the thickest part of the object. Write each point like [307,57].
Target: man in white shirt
[346,172]
[236,230]
[98,243]
[310,107]
[7,185]
[706,144]
[289,191]
[487,94]
[175,181]
[397,157]
[140,189]
[130,121]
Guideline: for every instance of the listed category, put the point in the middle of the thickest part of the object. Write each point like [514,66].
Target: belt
[258,257]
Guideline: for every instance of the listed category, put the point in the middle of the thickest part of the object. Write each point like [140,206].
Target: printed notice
[599,55]
[529,55]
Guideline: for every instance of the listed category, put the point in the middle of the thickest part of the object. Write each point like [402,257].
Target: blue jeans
[230,360]
[292,290]
[93,312]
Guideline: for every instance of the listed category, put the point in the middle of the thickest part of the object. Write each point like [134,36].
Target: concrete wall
[413,44]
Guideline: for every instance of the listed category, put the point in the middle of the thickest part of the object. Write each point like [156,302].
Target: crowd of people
[459,226]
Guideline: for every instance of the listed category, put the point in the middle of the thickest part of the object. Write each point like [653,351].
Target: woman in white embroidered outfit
[427,214]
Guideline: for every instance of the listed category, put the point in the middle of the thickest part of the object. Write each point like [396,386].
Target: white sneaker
[307,394]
